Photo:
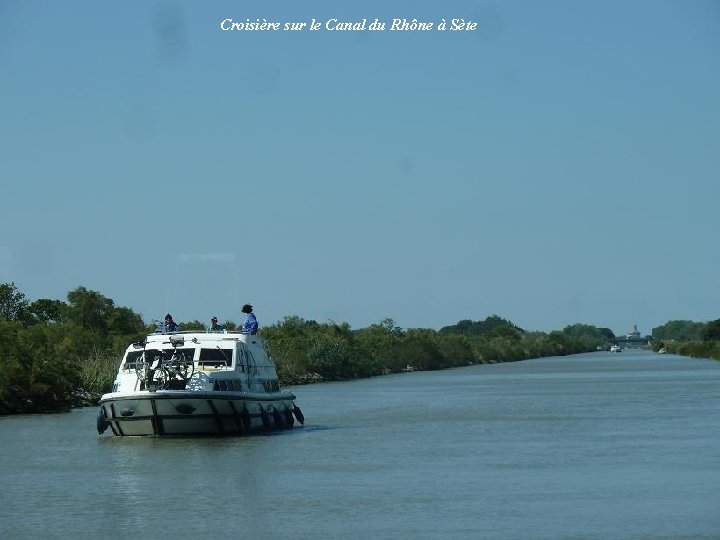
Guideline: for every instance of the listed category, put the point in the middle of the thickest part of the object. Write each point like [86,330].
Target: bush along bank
[55,355]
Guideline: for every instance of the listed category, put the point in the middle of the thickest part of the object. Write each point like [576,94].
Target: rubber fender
[298,414]
[278,418]
[289,419]
[102,423]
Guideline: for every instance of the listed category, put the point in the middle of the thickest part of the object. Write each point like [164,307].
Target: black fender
[102,423]
[298,414]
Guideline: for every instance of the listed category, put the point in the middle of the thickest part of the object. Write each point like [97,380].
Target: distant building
[633,340]
[634,334]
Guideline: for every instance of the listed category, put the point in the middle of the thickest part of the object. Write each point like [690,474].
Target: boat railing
[203,331]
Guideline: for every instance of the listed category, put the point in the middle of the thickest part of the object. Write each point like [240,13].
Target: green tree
[124,326]
[289,341]
[679,330]
[711,332]
[606,334]
[377,345]
[587,337]
[332,359]
[89,309]
[196,326]
[37,372]
[13,304]
[456,350]
[419,349]
[48,311]
[493,323]
[124,321]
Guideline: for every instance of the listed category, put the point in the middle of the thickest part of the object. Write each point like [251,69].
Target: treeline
[689,338]
[330,351]
[57,354]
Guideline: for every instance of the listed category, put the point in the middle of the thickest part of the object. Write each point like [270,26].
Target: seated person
[214,326]
[170,325]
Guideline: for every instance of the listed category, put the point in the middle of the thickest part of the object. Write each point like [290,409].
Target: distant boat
[662,350]
[615,348]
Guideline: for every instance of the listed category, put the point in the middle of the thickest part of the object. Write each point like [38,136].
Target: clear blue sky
[558,165]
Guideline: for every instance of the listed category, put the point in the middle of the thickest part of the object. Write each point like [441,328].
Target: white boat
[193,383]
[662,350]
[615,348]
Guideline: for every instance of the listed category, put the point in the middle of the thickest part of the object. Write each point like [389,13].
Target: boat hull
[172,413]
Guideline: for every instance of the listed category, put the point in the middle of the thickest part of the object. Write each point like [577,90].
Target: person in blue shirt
[251,324]
[170,325]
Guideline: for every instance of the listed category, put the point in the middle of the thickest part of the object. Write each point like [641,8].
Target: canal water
[595,446]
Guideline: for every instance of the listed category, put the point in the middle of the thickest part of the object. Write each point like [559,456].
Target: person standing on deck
[251,324]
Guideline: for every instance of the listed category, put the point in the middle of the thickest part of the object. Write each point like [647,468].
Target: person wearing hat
[251,325]
[214,326]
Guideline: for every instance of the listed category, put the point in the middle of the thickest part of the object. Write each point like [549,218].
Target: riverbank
[692,349]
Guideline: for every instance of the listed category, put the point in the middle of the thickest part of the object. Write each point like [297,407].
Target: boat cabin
[203,361]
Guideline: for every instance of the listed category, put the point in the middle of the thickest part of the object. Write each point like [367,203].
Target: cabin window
[188,353]
[216,357]
[131,359]
[151,355]
[227,385]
